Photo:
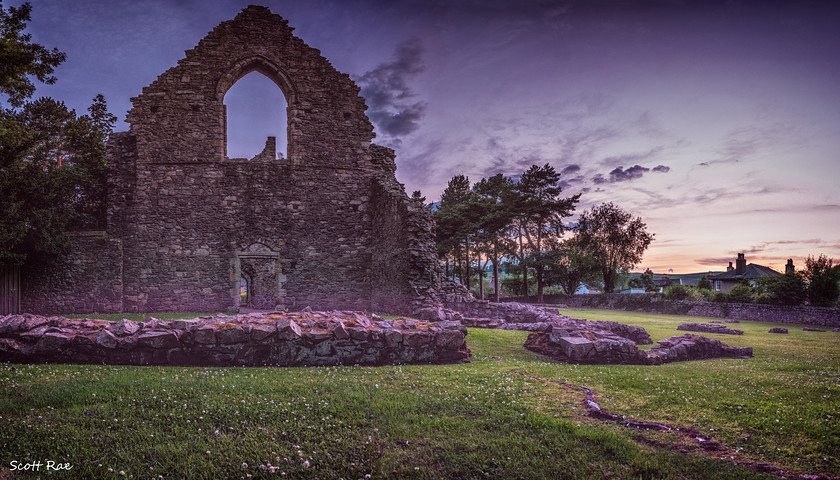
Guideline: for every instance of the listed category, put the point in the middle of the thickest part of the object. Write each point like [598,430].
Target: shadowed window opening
[256,110]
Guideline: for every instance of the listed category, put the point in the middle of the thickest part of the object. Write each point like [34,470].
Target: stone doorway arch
[262,270]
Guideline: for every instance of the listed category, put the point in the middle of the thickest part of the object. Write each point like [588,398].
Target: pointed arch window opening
[256,119]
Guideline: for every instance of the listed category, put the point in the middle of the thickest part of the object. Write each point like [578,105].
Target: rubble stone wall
[275,339]
[88,279]
[641,302]
[327,227]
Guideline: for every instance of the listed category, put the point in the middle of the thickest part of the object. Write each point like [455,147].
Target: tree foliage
[52,163]
[454,225]
[499,218]
[824,277]
[615,239]
[787,289]
[52,177]
[704,283]
[644,281]
[540,210]
[491,199]
[20,58]
[740,294]
[573,266]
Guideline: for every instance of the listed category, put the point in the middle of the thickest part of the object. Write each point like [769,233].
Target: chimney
[789,267]
[729,268]
[740,264]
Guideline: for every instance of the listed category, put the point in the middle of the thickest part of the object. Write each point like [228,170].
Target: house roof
[752,271]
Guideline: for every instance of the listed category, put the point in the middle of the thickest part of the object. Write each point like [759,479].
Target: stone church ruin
[328,226]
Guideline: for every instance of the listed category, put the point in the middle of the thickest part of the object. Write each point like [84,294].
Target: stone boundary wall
[641,302]
[88,279]
[259,339]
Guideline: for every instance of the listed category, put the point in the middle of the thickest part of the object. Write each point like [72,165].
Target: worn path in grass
[478,420]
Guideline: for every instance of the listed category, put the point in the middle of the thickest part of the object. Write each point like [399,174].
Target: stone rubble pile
[257,339]
[585,346]
[519,316]
[686,347]
[778,330]
[591,348]
[709,328]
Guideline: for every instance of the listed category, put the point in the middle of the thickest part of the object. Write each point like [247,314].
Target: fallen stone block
[158,340]
[778,330]
[709,328]
[125,327]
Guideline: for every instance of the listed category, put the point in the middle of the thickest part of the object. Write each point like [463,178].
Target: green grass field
[477,420]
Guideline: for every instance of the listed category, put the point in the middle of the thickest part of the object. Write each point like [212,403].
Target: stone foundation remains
[594,342]
[593,349]
[261,339]
[709,328]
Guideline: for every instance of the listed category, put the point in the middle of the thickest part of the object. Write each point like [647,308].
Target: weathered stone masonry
[328,226]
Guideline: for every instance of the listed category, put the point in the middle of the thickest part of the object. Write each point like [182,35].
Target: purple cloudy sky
[718,122]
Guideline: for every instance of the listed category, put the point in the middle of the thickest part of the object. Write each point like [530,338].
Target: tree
[787,289]
[614,238]
[454,225]
[52,177]
[571,266]
[494,212]
[20,58]
[825,281]
[52,163]
[418,197]
[704,283]
[740,294]
[540,211]
[644,281]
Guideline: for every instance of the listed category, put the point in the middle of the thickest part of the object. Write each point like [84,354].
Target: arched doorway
[258,273]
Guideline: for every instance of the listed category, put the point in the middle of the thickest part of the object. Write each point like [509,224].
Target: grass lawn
[477,420]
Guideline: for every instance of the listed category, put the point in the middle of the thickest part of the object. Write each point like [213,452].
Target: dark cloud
[662,169]
[632,157]
[717,262]
[570,169]
[619,174]
[388,95]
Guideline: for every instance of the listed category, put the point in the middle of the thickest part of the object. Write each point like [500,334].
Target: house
[723,282]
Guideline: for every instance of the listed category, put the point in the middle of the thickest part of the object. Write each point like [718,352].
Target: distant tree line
[523,224]
[817,285]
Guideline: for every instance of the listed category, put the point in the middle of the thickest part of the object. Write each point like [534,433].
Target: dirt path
[700,441]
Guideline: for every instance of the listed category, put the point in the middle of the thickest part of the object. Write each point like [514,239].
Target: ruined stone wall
[191,220]
[405,272]
[278,339]
[804,314]
[327,227]
[88,279]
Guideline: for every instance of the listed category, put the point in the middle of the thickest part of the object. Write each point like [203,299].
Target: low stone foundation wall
[557,345]
[520,316]
[709,328]
[260,339]
[655,303]
[584,341]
